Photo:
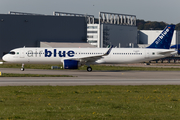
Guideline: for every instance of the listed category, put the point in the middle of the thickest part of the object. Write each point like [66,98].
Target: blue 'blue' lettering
[62,54]
[48,53]
[54,52]
[71,53]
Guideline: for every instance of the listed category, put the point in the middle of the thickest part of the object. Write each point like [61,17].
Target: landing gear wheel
[22,69]
[89,69]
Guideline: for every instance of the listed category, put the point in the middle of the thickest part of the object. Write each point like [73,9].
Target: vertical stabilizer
[163,41]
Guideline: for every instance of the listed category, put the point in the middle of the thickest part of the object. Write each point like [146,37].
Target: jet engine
[70,64]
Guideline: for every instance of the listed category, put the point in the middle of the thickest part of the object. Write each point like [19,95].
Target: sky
[148,10]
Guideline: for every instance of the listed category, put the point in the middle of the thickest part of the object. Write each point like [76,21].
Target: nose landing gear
[22,68]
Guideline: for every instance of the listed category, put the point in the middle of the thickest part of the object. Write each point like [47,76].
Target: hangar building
[25,29]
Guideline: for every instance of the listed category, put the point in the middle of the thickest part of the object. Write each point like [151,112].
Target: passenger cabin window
[12,52]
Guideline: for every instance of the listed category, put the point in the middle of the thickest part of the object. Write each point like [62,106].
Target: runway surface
[91,78]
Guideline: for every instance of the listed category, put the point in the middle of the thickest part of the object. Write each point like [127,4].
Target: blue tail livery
[163,41]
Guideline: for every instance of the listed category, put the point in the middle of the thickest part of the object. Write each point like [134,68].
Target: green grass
[90,102]
[94,67]
[126,68]
[27,66]
[31,75]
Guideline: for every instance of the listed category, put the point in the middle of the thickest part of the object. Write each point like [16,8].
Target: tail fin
[163,41]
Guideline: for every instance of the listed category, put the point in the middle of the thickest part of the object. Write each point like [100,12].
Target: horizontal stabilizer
[167,52]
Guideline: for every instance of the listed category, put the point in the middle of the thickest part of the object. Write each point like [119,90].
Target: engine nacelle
[70,64]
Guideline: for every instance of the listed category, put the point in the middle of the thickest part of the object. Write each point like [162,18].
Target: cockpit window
[12,52]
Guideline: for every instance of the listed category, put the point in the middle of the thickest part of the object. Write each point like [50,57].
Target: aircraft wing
[91,59]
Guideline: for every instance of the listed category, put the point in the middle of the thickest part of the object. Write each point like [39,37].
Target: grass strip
[94,67]
[27,66]
[90,102]
[127,68]
[31,75]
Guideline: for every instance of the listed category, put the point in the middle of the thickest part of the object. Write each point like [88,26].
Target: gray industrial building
[113,29]
[119,35]
[19,30]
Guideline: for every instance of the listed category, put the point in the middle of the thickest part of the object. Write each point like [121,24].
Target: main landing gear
[89,69]
[22,68]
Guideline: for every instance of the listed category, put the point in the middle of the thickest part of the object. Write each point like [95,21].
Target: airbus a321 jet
[72,58]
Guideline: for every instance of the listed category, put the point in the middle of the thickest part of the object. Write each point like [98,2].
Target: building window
[92,41]
[92,36]
[91,31]
[91,27]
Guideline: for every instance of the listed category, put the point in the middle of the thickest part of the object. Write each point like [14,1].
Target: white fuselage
[57,55]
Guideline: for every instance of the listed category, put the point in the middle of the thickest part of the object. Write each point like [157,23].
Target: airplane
[72,58]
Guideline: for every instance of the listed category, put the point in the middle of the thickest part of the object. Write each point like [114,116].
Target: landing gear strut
[22,68]
[89,69]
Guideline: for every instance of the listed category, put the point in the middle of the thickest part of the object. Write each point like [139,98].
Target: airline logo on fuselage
[56,53]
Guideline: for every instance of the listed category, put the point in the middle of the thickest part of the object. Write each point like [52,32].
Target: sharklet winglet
[109,50]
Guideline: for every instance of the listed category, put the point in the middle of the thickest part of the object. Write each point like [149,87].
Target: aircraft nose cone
[5,58]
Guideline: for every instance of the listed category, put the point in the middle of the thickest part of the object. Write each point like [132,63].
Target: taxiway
[91,78]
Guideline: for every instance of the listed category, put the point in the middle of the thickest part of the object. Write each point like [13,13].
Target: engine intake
[70,64]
